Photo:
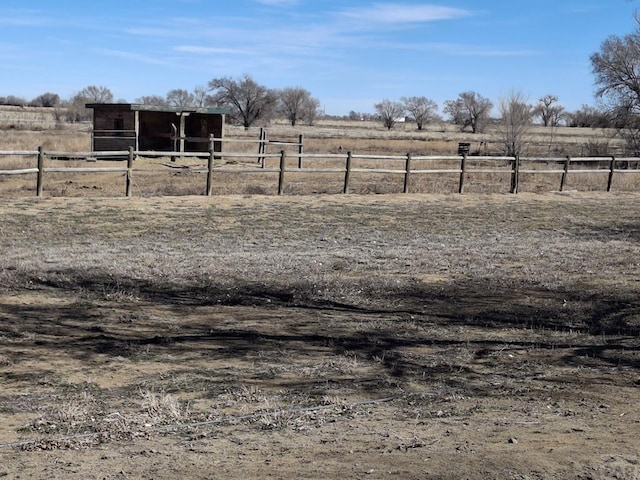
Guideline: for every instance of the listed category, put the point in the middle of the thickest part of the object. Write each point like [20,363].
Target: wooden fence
[513,166]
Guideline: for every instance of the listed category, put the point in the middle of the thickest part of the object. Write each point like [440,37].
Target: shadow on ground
[607,325]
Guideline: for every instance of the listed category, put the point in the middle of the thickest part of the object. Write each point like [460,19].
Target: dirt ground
[395,336]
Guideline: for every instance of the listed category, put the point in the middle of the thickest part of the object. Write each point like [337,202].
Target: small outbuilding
[118,126]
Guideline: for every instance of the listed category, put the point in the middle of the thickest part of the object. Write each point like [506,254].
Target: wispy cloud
[137,57]
[244,37]
[391,13]
[200,50]
[459,49]
[22,18]
[585,8]
[278,3]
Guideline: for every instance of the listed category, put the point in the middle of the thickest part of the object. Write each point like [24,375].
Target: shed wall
[115,129]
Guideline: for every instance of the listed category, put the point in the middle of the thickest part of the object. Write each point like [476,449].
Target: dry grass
[406,325]
[161,177]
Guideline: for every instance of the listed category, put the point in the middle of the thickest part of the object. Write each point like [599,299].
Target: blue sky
[348,54]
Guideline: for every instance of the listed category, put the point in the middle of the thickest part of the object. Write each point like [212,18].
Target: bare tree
[389,112]
[361,116]
[76,109]
[617,69]
[548,110]
[13,100]
[200,95]
[180,98]
[296,104]
[516,117]
[247,100]
[311,111]
[157,100]
[589,116]
[617,75]
[470,109]
[46,100]
[421,109]
[96,94]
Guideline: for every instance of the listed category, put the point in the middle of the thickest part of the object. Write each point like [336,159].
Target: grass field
[248,336]
[159,176]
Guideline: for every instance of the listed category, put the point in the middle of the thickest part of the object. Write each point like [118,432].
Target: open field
[159,176]
[396,336]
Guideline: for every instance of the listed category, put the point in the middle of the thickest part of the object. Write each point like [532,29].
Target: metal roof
[157,108]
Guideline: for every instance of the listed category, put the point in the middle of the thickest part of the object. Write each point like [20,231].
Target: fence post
[300,149]
[563,179]
[463,168]
[515,174]
[347,174]
[40,178]
[611,168]
[127,190]
[283,157]
[407,171]
[262,146]
[210,168]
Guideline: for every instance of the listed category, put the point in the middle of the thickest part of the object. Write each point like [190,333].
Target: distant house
[118,126]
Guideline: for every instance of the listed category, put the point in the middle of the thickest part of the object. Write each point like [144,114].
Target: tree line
[250,102]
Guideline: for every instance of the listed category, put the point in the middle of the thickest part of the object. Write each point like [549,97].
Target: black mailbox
[463,148]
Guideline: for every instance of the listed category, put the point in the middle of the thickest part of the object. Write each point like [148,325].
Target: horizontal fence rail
[494,165]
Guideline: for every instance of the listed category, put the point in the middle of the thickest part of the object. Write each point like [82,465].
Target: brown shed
[118,126]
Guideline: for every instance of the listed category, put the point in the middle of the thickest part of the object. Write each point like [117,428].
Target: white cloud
[391,13]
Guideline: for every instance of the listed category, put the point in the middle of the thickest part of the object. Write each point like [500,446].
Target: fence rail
[511,166]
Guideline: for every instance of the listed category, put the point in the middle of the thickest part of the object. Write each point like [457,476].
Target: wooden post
[283,157]
[563,179]
[300,149]
[262,144]
[611,169]
[210,167]
[182,133]
[347,174]
[174,140]
[136,127]
[40,179]
[463,169]
[129,172]
[407,171]
[515,174]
